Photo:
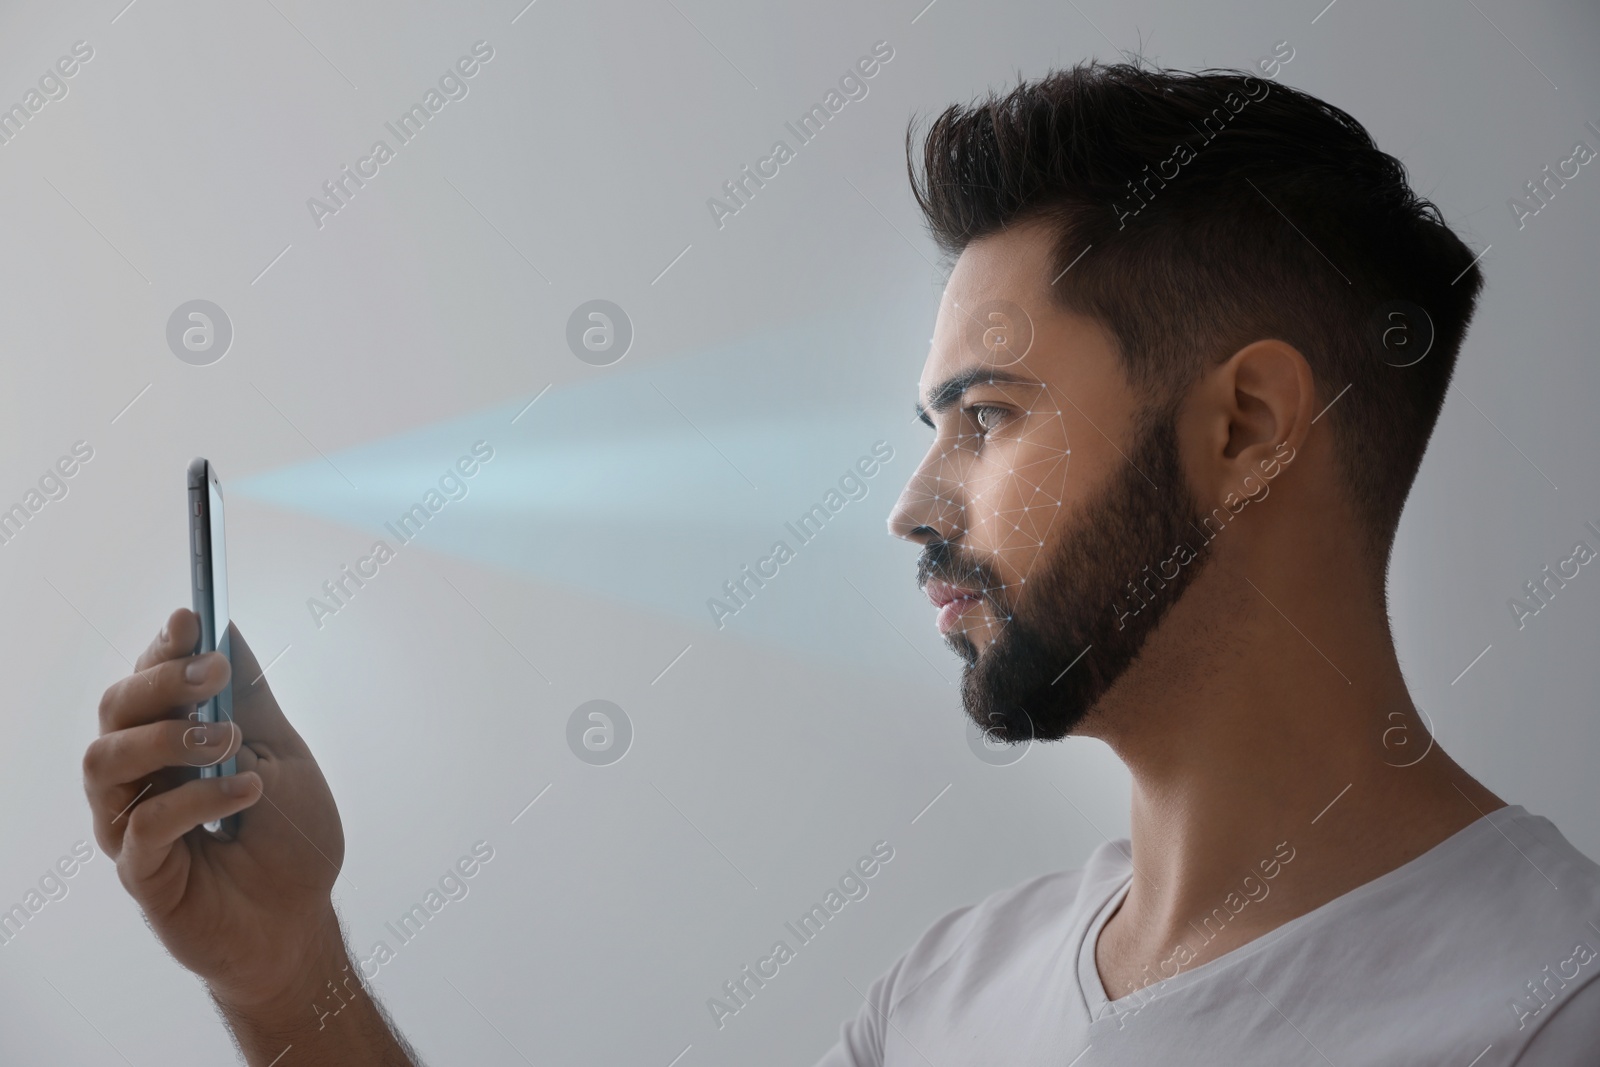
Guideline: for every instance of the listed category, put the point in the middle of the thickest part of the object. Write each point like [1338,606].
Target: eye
[988,416]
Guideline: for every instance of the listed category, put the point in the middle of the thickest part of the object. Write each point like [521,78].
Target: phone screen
[220,707]
[219,568]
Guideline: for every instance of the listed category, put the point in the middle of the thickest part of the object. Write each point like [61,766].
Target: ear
[1252,405]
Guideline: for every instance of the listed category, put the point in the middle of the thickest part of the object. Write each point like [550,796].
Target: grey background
[776,750]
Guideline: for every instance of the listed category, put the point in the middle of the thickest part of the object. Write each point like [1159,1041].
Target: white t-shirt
[1480,952]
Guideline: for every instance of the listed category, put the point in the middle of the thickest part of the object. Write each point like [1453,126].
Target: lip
[952,602]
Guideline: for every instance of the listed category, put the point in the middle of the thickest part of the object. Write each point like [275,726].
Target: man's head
[1161,281]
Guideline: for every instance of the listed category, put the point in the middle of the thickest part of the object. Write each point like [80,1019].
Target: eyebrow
[951,389]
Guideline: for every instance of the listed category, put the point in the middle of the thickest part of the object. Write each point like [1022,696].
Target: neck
[1285,728]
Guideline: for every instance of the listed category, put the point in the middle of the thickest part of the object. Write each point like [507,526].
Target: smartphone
[208,578]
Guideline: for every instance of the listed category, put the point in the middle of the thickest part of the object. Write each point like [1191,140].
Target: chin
[1016,689]
[963,646]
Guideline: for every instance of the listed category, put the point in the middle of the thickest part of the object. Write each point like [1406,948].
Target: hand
[252,916]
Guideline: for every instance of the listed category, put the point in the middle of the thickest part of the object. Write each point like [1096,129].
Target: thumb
[254,707]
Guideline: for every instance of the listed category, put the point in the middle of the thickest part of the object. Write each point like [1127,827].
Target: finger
[154,693]
[157,822]
[119,760]
[178,636]
[121,768]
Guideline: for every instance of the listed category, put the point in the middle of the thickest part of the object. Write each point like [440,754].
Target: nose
[932,505]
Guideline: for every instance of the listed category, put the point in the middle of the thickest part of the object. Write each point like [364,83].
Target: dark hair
[1218,209]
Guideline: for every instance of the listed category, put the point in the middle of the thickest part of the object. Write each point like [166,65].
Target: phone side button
[200,576]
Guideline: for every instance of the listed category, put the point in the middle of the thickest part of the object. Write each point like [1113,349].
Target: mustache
[941,560]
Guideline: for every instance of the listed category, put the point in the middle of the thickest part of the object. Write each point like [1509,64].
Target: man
[1197,334]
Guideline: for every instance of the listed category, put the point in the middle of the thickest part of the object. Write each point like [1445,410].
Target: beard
[1079,612]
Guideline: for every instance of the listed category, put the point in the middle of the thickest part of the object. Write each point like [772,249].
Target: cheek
[1019,496]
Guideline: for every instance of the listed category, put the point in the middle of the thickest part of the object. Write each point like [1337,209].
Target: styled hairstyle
[1211,209]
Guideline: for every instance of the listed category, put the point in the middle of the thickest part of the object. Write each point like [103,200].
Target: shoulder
[964,949]
[972,942]
[1571,1031]
[1512,936]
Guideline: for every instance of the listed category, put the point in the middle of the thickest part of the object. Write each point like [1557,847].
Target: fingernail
[216,733]
[234,786]
[197,670]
